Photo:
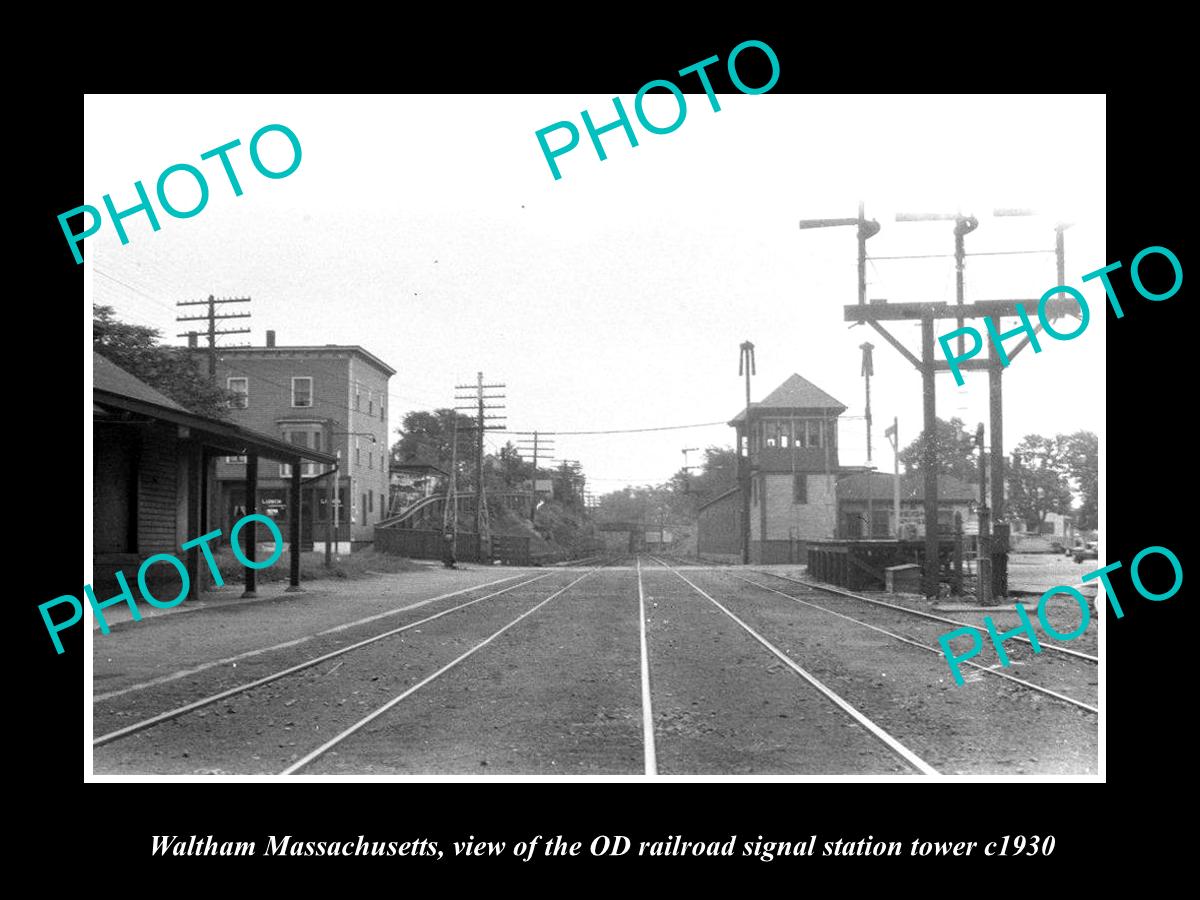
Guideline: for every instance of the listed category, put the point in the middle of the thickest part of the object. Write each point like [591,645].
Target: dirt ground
[560,691]
[987,725]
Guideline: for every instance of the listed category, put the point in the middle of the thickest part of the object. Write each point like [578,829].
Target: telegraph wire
[628,430]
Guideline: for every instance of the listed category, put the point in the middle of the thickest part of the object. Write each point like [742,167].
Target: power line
[132,288]
[629,430]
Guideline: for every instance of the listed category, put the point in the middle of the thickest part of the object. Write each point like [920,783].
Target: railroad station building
[331,399]
[151,475]
[790,437]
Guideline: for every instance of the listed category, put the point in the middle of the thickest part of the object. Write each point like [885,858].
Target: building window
[881,525]
[310,438]
[381,413]
[357,452]
[364,509]
[370,403]
[777,433]
[302,391]
[370,502]
[810,433]
[235,460]
[357,395]
[240,387]
[800,488]
[370,459]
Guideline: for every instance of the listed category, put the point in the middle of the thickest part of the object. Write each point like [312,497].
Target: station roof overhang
[225,437]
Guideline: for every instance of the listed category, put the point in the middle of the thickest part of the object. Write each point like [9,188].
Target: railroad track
[910,641]
[209,700]
[846,711]
[889,740]
[817,586]
[346,733]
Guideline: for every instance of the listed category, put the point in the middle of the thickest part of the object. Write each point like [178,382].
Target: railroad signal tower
[879,311]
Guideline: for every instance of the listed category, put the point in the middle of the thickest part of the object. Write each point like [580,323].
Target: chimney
[270,338]
[192,342]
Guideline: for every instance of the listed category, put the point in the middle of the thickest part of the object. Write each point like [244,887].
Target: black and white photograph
[434,436]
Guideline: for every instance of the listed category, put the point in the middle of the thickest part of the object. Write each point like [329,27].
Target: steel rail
[366,720]
[984,669]
[922,614]
[891,742]
[283,673]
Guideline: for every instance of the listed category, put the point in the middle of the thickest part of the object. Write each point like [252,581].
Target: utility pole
[746,367]
[1000,527]
[481,426]
[687,470]
[535,446]
[868,369]
[984,553]
[450,511]
[571,472]
[212,317]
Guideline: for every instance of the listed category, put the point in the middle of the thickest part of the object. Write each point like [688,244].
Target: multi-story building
[790,442]
[328,398]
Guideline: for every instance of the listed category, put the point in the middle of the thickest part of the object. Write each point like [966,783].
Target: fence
[861,565]
[511,550]
[417,544]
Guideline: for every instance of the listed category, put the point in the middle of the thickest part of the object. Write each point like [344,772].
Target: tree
[568,483]
[718,475]
[691,489]
[955,447]
[677,500]
[510,470]
[428,437]
[1081,454]
[1038,480]
[631,504]
[169,370]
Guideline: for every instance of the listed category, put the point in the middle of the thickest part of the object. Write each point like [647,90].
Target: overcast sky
[430,231]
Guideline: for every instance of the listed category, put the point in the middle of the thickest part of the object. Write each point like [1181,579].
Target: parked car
[1090,550]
